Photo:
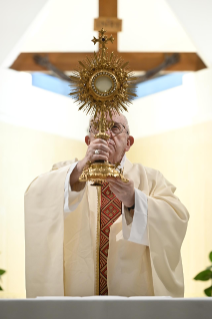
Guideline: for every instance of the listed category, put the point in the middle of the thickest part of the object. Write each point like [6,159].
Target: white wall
[25,105]
[184,105]
[68,27]
[151,26]
[17,19]
[195,18]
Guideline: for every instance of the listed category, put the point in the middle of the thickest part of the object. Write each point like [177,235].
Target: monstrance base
[98,172]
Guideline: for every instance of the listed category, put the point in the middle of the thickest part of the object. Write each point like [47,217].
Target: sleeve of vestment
[167,224]
[71,198]
[135,228]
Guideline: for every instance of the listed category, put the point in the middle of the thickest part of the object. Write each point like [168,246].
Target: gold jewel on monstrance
[102,86]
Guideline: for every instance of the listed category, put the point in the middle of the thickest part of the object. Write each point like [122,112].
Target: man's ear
[130,142]
[87,140]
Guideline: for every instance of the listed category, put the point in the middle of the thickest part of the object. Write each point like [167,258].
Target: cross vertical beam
[108,8]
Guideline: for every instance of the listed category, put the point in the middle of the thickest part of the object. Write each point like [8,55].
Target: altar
[99,307]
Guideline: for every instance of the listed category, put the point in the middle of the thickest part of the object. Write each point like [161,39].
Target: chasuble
[61,252]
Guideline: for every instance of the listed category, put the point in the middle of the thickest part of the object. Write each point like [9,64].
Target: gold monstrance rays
[103,81]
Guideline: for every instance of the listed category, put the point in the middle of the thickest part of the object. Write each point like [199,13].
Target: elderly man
[143,225]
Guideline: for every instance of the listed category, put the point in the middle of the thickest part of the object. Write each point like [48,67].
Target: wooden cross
[139,61]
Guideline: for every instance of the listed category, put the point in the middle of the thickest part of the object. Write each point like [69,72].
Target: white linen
[106,307]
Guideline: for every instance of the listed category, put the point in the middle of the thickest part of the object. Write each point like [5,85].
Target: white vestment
[137,232]
[60,254]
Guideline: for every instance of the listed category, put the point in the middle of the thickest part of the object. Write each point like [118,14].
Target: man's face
[118,144]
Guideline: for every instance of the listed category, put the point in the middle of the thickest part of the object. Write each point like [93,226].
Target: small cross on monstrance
[103,40]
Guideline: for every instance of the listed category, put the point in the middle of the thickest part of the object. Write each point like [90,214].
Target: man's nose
[108,131]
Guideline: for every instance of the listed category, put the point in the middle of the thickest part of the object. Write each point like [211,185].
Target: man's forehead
[120,118]
[117,118]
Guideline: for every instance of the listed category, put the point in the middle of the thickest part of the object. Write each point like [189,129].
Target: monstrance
[103,86]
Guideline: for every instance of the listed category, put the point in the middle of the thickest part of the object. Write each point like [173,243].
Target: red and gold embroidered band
[110,211]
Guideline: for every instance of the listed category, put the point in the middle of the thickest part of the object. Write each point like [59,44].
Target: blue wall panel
[54,84]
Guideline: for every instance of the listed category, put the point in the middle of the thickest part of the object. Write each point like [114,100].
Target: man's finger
[99,141]
[100,152]
[116,181]
[97,157]
[101,147]
[115,187]
[118,186]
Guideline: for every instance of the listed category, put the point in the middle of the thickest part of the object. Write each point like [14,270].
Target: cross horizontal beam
[138,61]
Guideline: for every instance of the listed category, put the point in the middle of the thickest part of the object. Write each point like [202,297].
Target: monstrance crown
[103,81]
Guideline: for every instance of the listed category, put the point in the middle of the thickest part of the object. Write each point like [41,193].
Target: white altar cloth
[106,307]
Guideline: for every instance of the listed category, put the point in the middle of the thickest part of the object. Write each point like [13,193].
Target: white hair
[127,124]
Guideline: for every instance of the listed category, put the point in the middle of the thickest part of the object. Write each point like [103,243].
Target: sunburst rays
[81,91]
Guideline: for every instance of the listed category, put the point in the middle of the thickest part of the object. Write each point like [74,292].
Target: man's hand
[125,192]
[97,144]
[100,145]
